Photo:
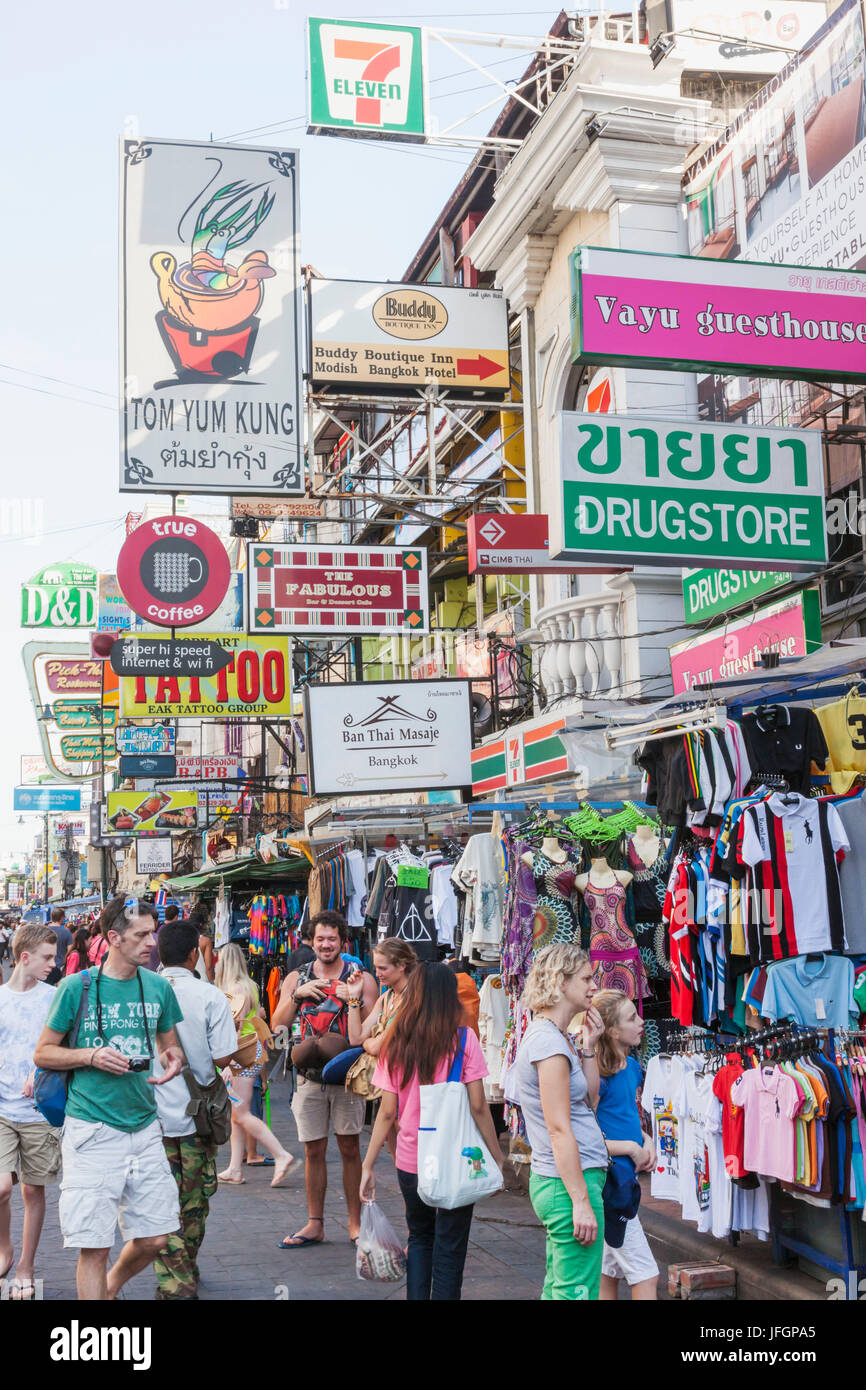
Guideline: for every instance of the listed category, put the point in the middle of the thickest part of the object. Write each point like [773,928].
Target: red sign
[323,590]
[512,543]
[173,571]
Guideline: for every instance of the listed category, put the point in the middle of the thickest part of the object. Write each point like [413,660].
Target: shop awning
[238,870]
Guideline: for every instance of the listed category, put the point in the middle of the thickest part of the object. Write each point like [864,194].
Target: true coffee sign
[173,571]
[663,492]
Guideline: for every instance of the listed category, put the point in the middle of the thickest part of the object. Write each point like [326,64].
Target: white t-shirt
[662,1099]
[22,1018]
[695,1159]
[751,1209]
[802,858]
[444,904]
[709,1110]
[358,884]
[207,1030]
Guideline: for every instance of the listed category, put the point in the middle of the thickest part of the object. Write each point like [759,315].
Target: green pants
[573,1270]
[193,1165]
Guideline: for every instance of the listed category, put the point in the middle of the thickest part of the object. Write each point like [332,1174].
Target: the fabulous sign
[709,592]
[366,79]
[791,627]
[517,543]
[210,332]
[663,492]
[322,590]
[681,313]
[61,595]
[387,735]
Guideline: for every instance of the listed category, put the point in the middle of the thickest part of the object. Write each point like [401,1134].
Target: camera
[140,1063]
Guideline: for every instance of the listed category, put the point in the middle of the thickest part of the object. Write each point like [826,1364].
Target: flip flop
[296,1241]
[22,1291]
[259,1162]
[230,1182]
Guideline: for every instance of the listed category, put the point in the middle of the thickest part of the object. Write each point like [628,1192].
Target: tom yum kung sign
[663,493]
[687,312]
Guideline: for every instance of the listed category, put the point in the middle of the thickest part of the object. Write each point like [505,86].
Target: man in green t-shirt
[115,1171]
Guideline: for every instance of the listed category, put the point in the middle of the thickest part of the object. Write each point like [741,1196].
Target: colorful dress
[616,959]
[648,887]
[555,918]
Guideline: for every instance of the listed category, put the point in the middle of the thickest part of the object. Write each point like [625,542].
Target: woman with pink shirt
[420,1046]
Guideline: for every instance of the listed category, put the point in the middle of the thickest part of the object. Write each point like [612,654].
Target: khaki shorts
[30,1150]
[318,1109]
[112,1178]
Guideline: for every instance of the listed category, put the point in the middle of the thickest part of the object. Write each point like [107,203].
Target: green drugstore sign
[667,493]
[366,79]
[707,593]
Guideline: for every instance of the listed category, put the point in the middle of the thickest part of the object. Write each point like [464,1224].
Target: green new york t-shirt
[127,1101]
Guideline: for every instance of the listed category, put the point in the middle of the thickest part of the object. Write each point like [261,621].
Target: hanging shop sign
[707,593]
[383,735]
[113,613]
[34,770]
[46,799]
[666,493]
[366,79]
[285,508]
[322,590]
[381,336]
[100,836]
[88,748]
[517,543]
[61,595]
[210,331]
[154,856]
[733,38]
[132,812]
[528,754]
[680,313]
[173,571]
[144,765]
[167,656]
[791,627]
[145,739]
[82,714]
[67,687]
[207,769]
[255,684]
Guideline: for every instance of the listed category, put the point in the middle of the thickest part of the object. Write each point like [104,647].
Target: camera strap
[150,1051]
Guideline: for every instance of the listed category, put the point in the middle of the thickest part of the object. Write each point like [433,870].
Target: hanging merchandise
[222,921]
[492,1027]
[271,921]
[785,740]
[843,724]
[480,874]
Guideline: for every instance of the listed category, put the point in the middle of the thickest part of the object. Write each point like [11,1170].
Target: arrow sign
[479,366]
[168,656]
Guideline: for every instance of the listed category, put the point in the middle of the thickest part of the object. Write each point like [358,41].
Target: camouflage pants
[193,1164]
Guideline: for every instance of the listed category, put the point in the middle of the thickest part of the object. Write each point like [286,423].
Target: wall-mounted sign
[35,770]
[303,509]
[173,571]
[791,627]
[168,656]
[323,590]
[88,748]
[680,313]
[517,543]
[256,683]
[210,302]
[144,765]
[706,39]
[131,812]
[154,856]
[65,686]
[141,738]
[46,799]
[207,769]
[366,79]
[522,755]
[61,595]
[666,492]
[385,735]
[707,593]
[113,613]
[381,336]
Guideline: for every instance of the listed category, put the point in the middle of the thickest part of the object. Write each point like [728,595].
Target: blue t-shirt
[617,1111]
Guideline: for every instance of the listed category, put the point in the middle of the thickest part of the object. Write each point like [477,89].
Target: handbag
[210,1108]
[359,1077]
[50,1087]
[455,1167]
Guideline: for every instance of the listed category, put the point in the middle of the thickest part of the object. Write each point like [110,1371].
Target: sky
[73,81]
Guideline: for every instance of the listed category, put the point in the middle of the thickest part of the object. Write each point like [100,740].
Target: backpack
[51,1088]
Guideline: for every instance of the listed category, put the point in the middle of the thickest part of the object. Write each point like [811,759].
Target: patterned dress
[555,918]
[616,960]
[648,894]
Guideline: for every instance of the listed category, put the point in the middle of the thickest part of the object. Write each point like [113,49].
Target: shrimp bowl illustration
[208,321]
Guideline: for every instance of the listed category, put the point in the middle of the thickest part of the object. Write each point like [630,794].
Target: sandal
[22,1290]
[228,1179]
[296,1241]
[259,1162]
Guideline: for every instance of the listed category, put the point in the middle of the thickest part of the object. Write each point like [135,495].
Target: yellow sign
[130,812]
[256,684]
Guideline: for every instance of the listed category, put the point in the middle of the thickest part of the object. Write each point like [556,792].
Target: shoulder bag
[455,1167]
[51,1088]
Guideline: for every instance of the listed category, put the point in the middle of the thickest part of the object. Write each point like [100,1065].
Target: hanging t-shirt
[819,993]
[732,1116]
[770,1101]
[356,885]
[785,739]
[695,1182]
[412,921]
[662,1099]
[844,727]
[852,872]
[444,904]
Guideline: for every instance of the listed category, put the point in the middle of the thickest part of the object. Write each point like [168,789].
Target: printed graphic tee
[662,1099]
[22,1018]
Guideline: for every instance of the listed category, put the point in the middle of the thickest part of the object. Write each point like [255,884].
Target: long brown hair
[609,1004]
[424,1032]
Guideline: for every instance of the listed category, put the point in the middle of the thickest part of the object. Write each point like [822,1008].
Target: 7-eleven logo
[368,73]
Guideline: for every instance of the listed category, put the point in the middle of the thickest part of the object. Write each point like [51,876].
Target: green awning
[238,870]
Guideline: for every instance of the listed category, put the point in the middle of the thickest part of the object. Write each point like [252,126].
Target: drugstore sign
[791,627]
[709,592]
[256,683]
[664,493]
[366,79]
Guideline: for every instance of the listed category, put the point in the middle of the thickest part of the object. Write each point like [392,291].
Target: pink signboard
[791,627]
[684,312]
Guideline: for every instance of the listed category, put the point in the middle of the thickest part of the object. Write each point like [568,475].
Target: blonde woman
[557,1084]
[235,983]
[618,1113]
[393,961]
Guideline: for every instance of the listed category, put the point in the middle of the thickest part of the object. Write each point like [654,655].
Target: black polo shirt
[785,739]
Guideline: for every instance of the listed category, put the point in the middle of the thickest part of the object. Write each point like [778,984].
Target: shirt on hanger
[662,1099]
[770,1101]
[787,740]
[852,872]
[818,993]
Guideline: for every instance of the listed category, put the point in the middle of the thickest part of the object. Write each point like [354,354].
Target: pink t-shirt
[409,1098]
[770,1100]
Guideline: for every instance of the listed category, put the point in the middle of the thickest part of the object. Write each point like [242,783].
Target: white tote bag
[455,1167]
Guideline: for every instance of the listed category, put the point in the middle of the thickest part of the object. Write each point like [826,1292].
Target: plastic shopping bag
[455,1167]
[380,1254]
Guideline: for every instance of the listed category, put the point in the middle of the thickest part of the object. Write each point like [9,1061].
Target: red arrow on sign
[479,366]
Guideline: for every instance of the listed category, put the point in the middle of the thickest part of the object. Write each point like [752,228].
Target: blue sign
[142,765]
[145,738]
[47,799]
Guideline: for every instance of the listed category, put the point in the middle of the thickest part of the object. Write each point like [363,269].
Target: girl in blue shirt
[619,1118]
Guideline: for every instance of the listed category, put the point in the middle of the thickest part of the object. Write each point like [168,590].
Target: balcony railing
[581,647]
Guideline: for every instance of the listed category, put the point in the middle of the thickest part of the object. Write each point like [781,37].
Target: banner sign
[154,856]
[680,313]
[210,308]
[366,79]
[526,754]
[362,590]
[707,593]
[169,656]
[113,613]
[147,765]
[706,39]
[61,595]
[517,543]
[89,748]
[130,811]
[35,770]
[384,335]
[791,627]
[173,571]
[388,735]
[46,799]
[255,684]
[666,493]
[209,768]
[150,739]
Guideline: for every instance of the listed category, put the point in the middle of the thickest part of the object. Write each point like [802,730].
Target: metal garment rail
[481,806]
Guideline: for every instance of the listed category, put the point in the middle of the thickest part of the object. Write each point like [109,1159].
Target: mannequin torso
[601,875]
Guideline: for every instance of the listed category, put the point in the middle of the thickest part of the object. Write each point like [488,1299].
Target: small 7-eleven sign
[367,78]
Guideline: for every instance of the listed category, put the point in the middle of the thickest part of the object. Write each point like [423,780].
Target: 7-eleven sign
[367,78]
